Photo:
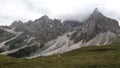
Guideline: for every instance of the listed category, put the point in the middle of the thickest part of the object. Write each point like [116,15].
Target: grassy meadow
[107,56]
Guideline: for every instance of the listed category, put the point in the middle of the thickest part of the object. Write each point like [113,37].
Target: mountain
[45,36]
[99,27]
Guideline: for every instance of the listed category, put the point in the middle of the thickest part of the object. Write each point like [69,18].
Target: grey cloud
[32,9]
[38,8]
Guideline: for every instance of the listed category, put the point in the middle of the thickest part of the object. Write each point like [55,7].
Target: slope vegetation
[86,57]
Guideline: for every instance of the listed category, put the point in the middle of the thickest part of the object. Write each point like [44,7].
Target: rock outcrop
[45,36]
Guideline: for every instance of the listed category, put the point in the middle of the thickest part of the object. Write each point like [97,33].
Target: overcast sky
[25,10]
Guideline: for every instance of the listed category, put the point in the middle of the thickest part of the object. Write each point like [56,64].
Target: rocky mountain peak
[45,17]
[16,23]
[45,36]
[96,14]
[97,23]
[96,11]
[102,22]
[43,20]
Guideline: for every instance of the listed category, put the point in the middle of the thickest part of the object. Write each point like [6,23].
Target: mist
[79,10]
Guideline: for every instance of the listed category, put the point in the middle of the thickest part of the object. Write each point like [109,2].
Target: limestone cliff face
[95,24]
[45,36]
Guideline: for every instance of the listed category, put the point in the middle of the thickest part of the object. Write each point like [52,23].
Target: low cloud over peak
[25,10]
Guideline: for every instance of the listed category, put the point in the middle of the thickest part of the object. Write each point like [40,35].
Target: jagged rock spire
[96,12]
[16,23]
[101,22]
[45,17]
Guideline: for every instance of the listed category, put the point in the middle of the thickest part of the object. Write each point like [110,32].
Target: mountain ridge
[45,36]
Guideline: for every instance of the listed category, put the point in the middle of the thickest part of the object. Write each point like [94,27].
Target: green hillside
[87,57]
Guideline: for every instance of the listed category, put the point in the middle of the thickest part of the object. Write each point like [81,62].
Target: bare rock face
[45,36]
[42,30]
[95,24]
[103,22]
[16,23]
[4,35]
[70,25]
